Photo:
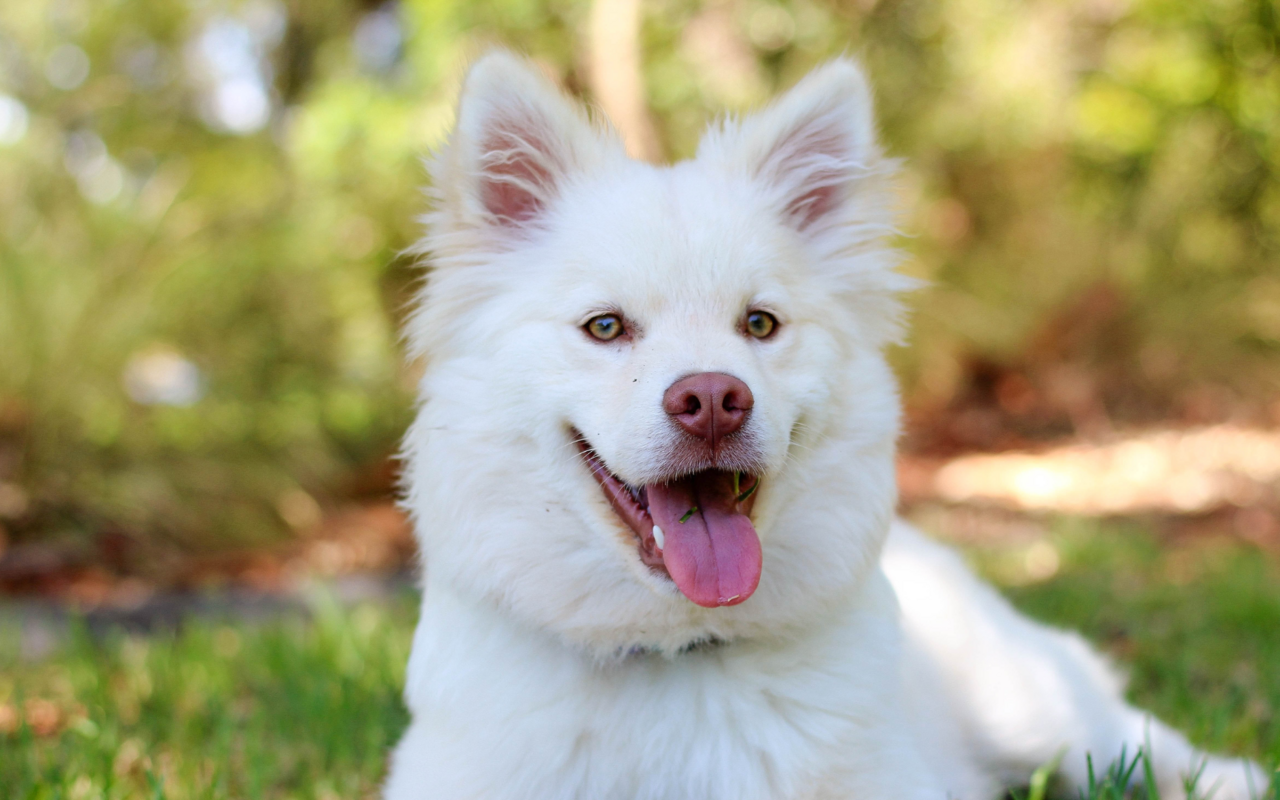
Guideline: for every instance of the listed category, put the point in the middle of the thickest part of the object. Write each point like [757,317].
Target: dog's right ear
[517,143]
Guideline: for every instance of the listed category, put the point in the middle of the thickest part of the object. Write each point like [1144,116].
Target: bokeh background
[204,206]
[205,586]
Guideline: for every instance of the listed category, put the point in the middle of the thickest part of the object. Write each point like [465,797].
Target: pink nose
[709,405]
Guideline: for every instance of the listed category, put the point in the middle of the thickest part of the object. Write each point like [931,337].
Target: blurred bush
[202,206]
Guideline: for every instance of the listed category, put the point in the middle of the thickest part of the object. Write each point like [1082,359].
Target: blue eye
[605,327]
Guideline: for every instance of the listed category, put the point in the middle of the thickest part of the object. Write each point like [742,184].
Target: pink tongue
[714,555]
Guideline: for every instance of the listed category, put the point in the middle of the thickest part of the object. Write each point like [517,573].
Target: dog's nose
[710,405]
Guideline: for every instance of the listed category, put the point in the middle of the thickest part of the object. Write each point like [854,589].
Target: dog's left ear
[809,149]
[814,155]
[517,144]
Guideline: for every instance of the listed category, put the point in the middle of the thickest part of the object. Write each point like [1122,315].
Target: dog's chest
[531,721]
[637,737]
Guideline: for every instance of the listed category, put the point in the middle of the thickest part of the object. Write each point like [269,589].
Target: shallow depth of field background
[203,206]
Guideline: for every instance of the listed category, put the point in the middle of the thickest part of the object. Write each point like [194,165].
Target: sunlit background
[203,206]
[205,585]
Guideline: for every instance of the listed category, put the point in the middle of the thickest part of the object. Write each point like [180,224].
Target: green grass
[1196,624]
[287,709]
[309,709]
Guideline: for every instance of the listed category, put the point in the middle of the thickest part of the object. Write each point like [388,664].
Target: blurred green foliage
[202,205]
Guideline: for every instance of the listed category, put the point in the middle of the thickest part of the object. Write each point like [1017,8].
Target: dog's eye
[761,324]
[605,327]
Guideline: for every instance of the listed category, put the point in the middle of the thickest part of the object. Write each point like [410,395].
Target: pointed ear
[814,155]
[517,142]
[809,149]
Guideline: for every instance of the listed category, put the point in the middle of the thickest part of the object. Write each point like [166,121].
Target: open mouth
[696,528]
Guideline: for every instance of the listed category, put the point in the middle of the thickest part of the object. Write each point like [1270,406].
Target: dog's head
[655,411]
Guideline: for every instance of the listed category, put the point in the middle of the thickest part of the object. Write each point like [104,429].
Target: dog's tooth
[657,536]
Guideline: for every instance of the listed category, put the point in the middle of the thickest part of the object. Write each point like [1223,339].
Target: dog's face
[656,410]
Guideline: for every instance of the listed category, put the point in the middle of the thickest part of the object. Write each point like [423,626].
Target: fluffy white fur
[549,662]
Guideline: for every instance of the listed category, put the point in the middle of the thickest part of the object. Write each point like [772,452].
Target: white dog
[652,477]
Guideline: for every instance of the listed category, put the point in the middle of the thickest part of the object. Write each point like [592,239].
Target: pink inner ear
[813,205]
[517,171]
[813,164]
